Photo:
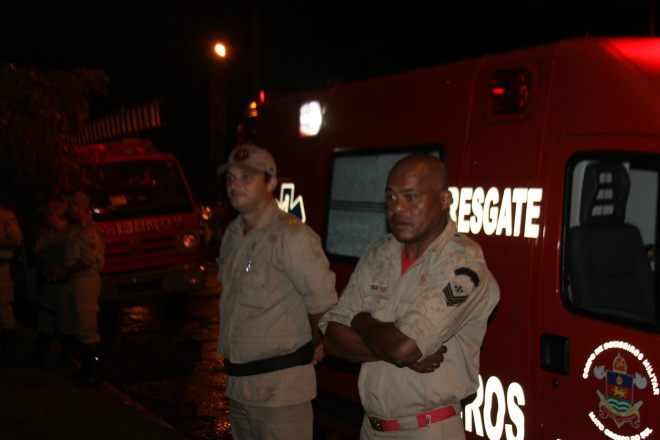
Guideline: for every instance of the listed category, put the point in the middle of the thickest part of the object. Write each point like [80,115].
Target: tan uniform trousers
[84,294]
[448,429]
[54,310]
[248,422]
[7,320]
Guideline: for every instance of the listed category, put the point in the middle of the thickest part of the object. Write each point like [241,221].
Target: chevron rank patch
[458,289]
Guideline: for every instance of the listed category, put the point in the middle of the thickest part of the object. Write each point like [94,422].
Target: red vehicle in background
[150,224]
[553,154]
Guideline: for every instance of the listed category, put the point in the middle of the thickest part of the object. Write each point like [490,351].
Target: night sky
[162,49]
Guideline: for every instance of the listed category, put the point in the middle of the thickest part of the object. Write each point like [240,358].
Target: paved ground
[42,404]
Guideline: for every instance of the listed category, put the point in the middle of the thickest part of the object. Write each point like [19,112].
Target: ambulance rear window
[355,211]
[610,238]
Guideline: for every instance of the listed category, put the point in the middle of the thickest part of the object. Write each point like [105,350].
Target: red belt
[418,421]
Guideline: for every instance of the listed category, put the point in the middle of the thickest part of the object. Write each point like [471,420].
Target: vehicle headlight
[188,240]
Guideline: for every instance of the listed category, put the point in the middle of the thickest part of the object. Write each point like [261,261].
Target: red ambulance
[553,154]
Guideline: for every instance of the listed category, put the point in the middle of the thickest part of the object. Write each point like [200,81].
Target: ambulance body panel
[525,136]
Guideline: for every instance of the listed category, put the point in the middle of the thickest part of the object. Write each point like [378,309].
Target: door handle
[555,354]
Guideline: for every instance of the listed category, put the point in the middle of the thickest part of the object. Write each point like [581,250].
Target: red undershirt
[405,261]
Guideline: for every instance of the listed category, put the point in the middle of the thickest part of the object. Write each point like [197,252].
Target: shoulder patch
[470,273]
[458,289]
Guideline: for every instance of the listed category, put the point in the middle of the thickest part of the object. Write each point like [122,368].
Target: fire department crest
[618,402]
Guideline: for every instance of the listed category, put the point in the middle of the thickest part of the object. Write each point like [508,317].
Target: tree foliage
[38,112]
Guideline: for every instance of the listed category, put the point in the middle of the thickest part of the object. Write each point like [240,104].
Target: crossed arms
[368,340]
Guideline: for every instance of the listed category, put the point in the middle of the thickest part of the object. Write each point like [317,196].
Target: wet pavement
[162,355]
[43,404]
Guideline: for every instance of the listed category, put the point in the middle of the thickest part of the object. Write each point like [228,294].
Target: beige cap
[250,158]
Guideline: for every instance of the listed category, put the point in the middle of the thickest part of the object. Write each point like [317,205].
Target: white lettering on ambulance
[494,389]
[597,422]
[652,377]
[494,396]
[515,398]
[474,209]
[291,204]
[504,220]
[492,198]
[642,435]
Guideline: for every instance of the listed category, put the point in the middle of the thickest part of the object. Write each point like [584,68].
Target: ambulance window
[610,238]
[355,211]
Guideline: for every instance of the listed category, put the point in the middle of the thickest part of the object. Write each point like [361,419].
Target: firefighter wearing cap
[53,310]
[419,288]
[84,262]
[10,239]
[276,285]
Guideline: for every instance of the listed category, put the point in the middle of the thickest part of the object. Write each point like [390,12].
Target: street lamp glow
[220,49]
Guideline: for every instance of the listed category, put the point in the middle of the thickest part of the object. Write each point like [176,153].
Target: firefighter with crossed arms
[422,287]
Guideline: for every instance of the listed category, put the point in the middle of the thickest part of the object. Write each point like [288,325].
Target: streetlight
[220,50]
[218,103]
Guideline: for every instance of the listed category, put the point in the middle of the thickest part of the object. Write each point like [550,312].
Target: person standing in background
[84,261]
[10,239]
[53,304]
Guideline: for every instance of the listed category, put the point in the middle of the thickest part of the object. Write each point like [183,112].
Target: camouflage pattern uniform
[444,298]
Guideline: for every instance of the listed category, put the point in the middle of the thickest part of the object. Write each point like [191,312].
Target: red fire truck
[145,208]
[149,221]
[553,154]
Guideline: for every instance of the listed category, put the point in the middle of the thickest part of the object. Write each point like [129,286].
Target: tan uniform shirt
[272,279]
[51,248]
[445,297]
[86,243]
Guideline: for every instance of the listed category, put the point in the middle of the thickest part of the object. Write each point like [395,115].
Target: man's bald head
[430,167]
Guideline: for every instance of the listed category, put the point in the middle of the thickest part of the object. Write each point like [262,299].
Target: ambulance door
[599,347]
[500,202]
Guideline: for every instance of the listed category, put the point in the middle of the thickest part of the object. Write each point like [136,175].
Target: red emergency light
[509,90]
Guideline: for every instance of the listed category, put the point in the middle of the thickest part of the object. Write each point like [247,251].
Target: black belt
[303,356]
